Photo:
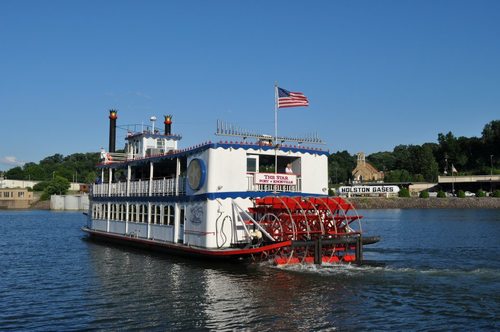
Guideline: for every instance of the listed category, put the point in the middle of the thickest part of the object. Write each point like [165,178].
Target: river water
[433,270]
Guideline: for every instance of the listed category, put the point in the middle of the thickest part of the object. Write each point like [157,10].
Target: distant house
[15,198]
[365,172]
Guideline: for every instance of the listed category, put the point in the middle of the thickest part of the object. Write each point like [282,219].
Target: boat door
[181,226]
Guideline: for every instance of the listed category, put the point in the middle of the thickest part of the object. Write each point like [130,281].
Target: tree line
[406,163]
[419,163]
[77,167]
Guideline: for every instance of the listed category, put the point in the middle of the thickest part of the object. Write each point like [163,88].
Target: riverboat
[256,198]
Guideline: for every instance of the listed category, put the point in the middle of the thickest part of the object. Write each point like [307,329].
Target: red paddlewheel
[272,224]
[307,219]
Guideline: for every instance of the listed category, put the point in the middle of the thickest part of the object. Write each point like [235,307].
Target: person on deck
[103,155]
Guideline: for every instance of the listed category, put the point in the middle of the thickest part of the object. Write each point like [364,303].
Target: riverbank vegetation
[423,163]
[77,167]
[406,163]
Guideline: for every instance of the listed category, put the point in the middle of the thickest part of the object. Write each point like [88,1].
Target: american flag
[291,99]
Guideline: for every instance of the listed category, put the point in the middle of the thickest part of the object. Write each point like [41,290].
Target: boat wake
[379,268]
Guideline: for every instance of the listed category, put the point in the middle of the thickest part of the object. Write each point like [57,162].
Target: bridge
[468,178]
[470,182]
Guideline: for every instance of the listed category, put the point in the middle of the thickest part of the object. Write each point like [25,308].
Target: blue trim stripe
[206,146]
[201,197]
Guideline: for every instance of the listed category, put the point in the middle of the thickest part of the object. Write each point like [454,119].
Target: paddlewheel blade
[320,229]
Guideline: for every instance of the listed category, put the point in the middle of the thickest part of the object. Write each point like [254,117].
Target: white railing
[139,188]
[166,187]
[252,186]
[159,187]
[119,189]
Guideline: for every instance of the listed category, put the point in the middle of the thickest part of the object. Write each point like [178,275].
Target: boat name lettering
[283,179]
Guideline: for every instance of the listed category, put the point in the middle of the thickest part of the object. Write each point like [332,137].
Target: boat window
[165,214]
[266,164]
[153,214]
[171,218]
[124,212]
[252,163]
[168,215]
[144,214]
[158,214]
[132,212]
[118,212]
[164,169]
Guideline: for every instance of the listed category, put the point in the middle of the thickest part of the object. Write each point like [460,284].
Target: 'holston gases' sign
[369,190]
[271,178]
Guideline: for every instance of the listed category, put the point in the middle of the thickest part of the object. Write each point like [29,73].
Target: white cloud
[11,161]
[143,95]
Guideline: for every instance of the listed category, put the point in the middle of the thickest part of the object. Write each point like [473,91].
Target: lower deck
[206,223]
[179,248]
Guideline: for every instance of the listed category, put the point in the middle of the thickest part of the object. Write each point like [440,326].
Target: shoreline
[425,203]
[391,203]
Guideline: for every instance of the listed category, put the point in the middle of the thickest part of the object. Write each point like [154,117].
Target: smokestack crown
[113,114]
[168,124]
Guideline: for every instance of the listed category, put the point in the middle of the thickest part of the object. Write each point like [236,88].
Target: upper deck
[151,165]
[242,168]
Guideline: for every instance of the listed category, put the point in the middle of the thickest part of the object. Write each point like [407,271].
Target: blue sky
[377,73]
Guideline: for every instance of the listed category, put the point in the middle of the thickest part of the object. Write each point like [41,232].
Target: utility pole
[491,173]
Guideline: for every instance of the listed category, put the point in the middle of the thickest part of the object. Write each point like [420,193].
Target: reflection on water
[436,269]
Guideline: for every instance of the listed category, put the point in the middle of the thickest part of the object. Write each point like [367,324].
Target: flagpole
[275,112]
[275,130]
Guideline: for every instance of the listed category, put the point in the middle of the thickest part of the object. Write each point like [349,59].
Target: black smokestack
[112,130]
[168,124]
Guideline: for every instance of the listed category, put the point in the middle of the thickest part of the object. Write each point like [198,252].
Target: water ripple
[52,280]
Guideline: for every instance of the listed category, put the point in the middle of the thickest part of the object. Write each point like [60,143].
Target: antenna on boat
[227,129]
[153,120]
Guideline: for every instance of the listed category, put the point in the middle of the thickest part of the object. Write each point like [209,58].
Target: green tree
[425,163]
[340,167]
[382,160]
[78,166]
[40,186]
[491,140]
[59,185]
[398,175]
[33,171]
[404,192]
[424,194]
[403,156]
[15,173]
